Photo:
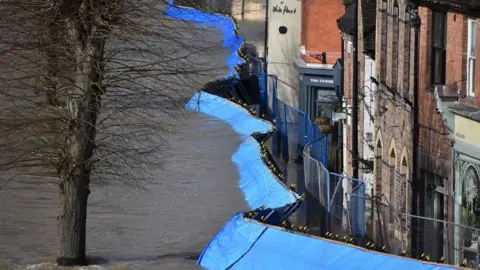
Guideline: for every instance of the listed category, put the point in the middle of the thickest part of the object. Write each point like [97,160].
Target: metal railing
[294,128]
[328,210]
[438,240]
[338,204]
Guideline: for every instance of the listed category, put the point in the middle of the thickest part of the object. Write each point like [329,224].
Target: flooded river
[164,227]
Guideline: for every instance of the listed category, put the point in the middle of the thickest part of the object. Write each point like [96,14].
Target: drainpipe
[266,37]
[355,94]
[341,124]
[416,22]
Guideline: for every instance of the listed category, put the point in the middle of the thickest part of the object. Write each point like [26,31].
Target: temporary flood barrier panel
[235,115]
[245,244]
[222,22]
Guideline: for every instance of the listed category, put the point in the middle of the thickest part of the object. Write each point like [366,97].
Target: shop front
[467,183]
[320,98]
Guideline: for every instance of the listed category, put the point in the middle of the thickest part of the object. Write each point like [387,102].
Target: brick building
[320,48]
[319,30]
[317,66]
[366,87]
[452,86]
[448,100]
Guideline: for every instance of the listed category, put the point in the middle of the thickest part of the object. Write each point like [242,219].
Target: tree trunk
[72,219]
[87,40]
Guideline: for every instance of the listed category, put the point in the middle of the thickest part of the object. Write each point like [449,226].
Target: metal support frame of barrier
[286,154]
[305,129]
[329,206]
[455,258]
[357,212]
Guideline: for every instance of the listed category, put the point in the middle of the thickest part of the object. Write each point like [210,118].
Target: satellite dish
[302,50]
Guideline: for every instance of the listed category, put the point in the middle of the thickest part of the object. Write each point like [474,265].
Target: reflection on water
[177,215]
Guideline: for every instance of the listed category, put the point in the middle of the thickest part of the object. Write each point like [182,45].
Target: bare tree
[85,87]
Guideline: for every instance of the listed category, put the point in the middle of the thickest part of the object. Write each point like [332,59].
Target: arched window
[378,166]
[405,172]
[392,162]
[392,159]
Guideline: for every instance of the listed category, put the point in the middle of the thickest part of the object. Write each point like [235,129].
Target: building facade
[366,88]
[284,35]
[316,64]
[446,106]
[457,96]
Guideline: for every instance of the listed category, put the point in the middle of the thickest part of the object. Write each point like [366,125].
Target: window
[439,34]
[472,39]
[408,47]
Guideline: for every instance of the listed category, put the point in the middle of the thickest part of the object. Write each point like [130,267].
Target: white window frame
[471,46]
[349,48]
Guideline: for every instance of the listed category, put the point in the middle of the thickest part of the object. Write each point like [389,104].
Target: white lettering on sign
[320,81]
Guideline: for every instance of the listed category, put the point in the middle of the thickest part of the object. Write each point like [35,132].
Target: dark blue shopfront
[319,89]
[320,96]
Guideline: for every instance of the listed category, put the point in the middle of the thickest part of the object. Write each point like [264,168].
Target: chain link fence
[294,128]
[329,209]
[338,205]
[437,240]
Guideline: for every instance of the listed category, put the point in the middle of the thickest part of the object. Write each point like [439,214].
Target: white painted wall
[283,48]
[369,91]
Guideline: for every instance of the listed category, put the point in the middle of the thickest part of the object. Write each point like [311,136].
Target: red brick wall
[456,49]
[319,28]
[434,148]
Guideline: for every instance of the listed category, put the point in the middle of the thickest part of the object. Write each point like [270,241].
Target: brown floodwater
[164,226]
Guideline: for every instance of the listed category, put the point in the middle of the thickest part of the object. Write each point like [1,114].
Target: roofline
[446,5]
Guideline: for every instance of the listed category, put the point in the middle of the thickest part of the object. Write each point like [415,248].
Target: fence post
[262,86]
[354,205]
[362,208]
[325,149]
[286,130]
[329,223]
[274,97]
[447,244]
[305,129]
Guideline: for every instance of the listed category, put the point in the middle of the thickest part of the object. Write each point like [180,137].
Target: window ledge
[466,111]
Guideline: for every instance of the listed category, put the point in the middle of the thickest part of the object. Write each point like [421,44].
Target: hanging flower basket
[326,129]
[322,120]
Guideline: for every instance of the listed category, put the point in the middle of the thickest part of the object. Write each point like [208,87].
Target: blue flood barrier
[259,185]
[235,115]
[222,22]
[243,244]
[246,244]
